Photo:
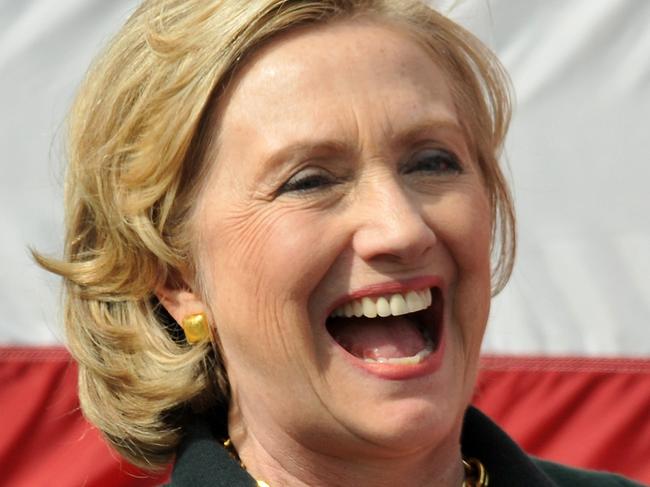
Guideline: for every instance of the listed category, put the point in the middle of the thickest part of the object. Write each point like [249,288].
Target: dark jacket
[202,461]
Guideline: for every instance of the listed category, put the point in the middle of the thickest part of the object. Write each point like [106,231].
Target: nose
[392,225]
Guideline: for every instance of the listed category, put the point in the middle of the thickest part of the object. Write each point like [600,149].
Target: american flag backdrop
[566,365]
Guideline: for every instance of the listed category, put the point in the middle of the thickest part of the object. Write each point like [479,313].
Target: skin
[379,207]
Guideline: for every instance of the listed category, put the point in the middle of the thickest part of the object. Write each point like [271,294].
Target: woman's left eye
[438,161]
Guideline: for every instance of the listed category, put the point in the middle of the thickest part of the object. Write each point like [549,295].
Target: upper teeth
[388,305]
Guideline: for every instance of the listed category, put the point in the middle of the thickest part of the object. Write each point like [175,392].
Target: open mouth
[396,328]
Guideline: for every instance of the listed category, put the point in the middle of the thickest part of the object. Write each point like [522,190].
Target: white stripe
[579,152]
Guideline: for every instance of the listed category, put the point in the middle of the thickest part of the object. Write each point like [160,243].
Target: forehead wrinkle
[390,136]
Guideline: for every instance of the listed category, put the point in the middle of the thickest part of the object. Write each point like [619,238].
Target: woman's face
[342,176]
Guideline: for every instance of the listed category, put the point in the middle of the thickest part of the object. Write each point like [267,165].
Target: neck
[286,462]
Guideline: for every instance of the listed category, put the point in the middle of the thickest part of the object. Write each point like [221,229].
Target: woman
[280,222]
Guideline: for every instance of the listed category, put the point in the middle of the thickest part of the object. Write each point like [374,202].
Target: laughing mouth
[397,328]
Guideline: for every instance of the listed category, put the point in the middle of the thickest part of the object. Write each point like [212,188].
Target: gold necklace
[475,473]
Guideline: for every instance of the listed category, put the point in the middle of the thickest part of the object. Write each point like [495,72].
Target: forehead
[364,74]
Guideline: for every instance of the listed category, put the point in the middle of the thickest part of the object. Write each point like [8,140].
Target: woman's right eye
[307,180]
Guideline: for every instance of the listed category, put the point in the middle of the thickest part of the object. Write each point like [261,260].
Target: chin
[411,425]
[416,414]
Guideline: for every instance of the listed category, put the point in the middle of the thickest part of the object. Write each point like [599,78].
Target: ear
[180,301]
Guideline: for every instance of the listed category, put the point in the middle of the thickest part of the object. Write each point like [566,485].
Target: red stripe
[588,412]
[615,365]
[45,440]
[34,354]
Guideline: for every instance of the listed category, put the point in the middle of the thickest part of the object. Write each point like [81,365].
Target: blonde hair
[138,133]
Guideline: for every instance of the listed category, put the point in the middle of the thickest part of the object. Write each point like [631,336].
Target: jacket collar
[505,462]
[203,461]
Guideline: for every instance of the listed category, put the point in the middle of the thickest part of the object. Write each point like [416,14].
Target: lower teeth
[413,359]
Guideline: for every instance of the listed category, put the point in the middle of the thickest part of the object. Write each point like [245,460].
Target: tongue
[377,338]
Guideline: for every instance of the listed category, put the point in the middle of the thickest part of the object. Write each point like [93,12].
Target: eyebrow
[330,146]
[420,129]
[305,147]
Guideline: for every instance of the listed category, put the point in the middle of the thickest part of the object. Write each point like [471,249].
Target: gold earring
[195,327]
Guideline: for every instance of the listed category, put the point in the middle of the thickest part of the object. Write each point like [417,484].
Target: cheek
[465,227]
[473,240]
[263,264]
[468,239]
